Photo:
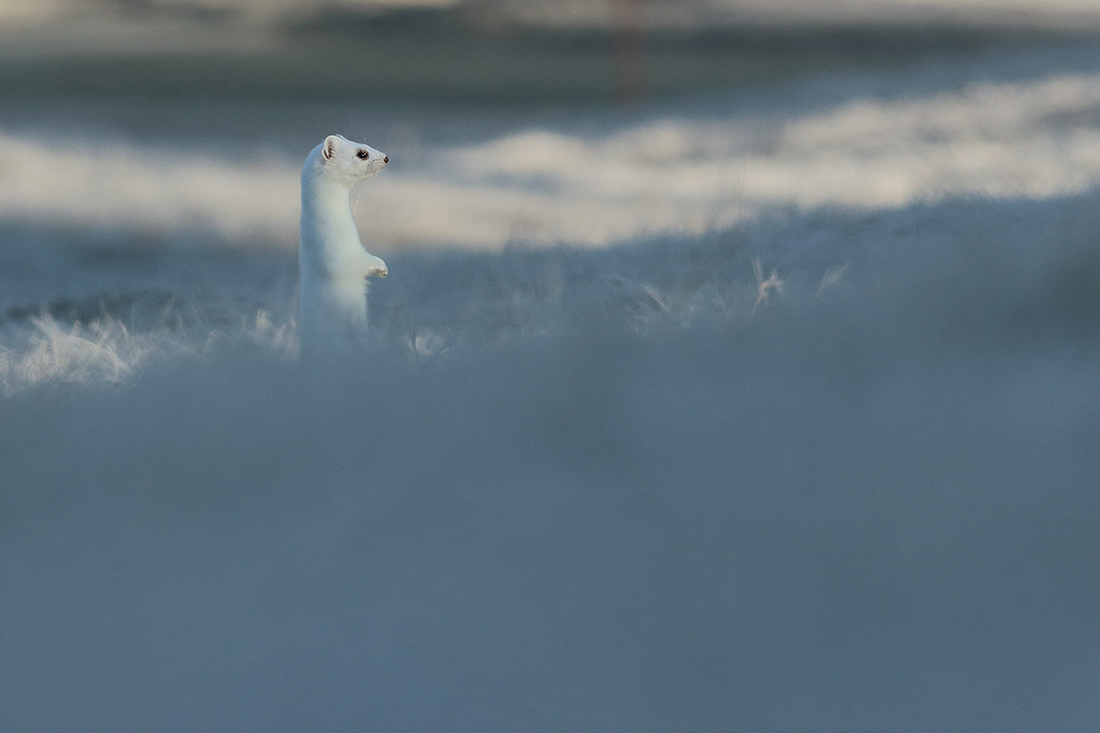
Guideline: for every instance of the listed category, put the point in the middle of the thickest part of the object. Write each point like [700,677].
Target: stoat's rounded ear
[329,148]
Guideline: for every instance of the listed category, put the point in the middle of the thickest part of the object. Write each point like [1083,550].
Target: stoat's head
[348,162]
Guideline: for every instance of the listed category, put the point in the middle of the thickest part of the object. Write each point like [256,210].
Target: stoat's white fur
[334,265]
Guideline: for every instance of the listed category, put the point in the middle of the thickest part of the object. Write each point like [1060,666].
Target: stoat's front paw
[379,269]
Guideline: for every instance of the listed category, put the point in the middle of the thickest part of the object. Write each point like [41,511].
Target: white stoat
[334,265]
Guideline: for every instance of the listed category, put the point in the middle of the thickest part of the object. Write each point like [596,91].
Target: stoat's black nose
[385,159]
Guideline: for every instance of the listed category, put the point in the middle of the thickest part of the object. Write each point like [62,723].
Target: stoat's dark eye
[362,155]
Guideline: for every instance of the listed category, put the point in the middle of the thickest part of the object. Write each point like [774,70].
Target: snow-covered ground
[767,411]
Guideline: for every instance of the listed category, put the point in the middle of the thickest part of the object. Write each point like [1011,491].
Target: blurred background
[182,117]
[483,52]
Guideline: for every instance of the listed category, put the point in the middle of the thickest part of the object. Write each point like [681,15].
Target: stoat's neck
[330,241]
[325,201]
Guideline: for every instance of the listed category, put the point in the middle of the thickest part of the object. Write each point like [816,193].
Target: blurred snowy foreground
[808,443]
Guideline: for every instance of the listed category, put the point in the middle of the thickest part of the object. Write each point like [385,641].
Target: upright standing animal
[332,314]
